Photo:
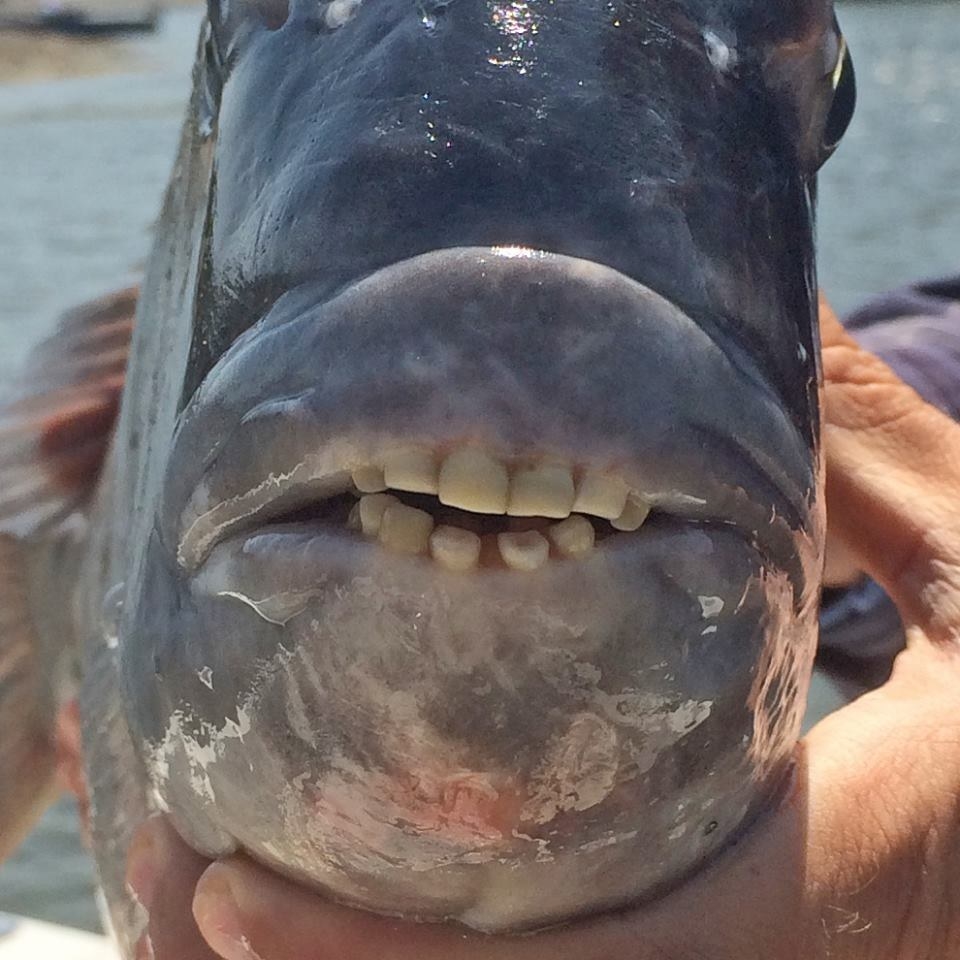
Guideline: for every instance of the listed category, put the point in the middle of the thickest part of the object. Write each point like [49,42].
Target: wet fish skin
[674,143]
[565,229]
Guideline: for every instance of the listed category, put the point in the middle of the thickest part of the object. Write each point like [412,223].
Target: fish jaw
[471,744]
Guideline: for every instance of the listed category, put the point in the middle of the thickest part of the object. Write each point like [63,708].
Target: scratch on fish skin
[847,921]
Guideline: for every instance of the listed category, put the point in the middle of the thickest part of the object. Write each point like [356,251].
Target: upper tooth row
[472,480]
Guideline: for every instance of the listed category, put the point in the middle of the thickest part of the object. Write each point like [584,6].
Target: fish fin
[27,722]
[56,425]
[55,429]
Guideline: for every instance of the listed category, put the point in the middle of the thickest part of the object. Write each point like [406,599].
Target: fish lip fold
[202,534]
[499,267]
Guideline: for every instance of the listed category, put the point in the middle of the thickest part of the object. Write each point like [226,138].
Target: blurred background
[88,127]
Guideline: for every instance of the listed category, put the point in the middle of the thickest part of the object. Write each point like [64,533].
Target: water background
[83,164]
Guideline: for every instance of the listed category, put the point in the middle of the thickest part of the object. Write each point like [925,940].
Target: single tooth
[412,470]
[573,537]
[405,529]
[523,551]
[543,491]
[455,549]
[370,511]
[369,480]
[634,513]
[474,481]
[601,495]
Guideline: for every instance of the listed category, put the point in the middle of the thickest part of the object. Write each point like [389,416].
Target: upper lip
[279,446]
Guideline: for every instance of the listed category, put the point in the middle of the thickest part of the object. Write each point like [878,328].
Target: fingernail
[142,866]
[218,917]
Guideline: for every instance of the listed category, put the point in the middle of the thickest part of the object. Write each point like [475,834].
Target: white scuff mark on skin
[198,756]
[205,676]
[296,709]
[689,715]
[543,846]
[610,841]
[653,712]
[339,12]
[710,606]
[578,771]
[237,730]
[708,630]
[198,751]
[112,611]
[721,52]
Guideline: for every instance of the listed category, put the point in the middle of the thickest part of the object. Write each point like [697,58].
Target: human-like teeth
[543,491]
[523,551]
[369,479]
[601,495]
[455,549]
[405,529]
[572,537]
[634,513]
[367,513]
[412,470]
[472,480]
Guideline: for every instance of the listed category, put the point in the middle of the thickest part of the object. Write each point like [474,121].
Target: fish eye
[843,104]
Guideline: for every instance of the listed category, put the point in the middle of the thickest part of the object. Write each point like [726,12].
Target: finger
[163,871]
[893,483]
[248,913]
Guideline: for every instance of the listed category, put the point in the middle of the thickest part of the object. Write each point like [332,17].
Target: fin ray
[57,422]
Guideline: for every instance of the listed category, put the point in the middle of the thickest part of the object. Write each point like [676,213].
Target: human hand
[862,857]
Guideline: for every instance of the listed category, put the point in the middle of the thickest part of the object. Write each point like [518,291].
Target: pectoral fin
[56,424]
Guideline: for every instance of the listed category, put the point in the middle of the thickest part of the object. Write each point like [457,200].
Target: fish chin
[569,703]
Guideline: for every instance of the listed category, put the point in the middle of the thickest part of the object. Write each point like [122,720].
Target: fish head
[483,582]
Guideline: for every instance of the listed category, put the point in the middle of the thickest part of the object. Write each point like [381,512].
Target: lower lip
[281,571]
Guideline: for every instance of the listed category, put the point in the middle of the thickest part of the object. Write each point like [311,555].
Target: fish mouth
[460,506]
[455,444]
[464,511]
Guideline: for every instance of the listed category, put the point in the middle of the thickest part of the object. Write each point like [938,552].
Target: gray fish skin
[571,230]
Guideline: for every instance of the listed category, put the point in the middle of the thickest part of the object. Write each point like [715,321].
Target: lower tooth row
[404,529]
